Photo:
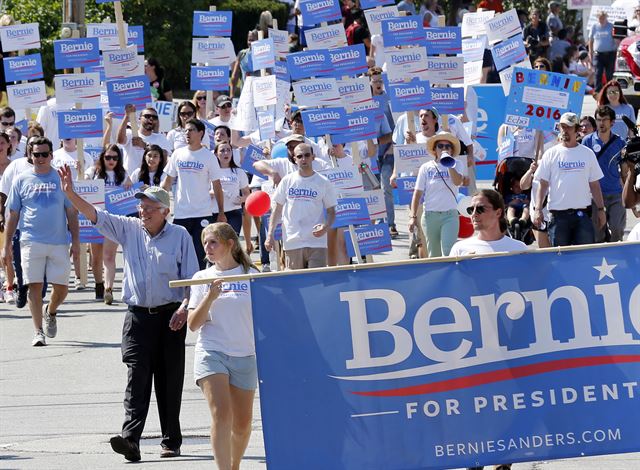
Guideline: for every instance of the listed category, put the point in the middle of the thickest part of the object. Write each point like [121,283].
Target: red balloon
[257,203]
[466,227]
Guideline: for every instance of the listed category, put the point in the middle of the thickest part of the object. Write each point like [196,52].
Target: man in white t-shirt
[197,170]
[488,218]
[569,172]
[134,146]
[301,199]
[68,155]
[223,109]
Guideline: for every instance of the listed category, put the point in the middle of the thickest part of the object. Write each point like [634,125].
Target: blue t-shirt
[41,204]
[602,37]
[609,161]
[619,127]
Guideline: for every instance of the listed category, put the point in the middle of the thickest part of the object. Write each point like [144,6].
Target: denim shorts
[242,371]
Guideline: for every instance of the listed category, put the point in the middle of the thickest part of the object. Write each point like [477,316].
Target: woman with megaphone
[438,180]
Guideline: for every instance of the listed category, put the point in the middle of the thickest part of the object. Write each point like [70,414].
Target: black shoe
[167,452]
[123,446]
[99,290]
[22,296]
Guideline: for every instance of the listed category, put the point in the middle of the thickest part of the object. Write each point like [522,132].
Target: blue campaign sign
[324,121]
[93,151]
[73,53]
[308,64]
[451,364]
[212,23]
[135,35]
[371,239]
[252,154]
[508,52]
[80,124]
[263,55]
[88,232]
[412,96]
[445,40]
[348,60]
[537,98]
[351,211]
[491,107]
[282,71]
[277,233]
[448,100]
[319,11]
[403,31]
[25,67]
[403,193]
[366,4]
[97,67]
[361,125]
[131,90]
[122,201]
[211,77]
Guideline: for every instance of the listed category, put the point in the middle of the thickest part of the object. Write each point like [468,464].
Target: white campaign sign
[280,42]
[317,92]
[81,88]
[472,72]
[473,48]
[107,34]
[122,63]
[20,37]
[91,191]
[214,51]
[613,14]
[407,64]
[446,70]
[545,97]
[473,23]
[507,74]
[375,16]
[409,158]
[355,93]
[245,117]
[27,95]
[167,111]
[284,100]
[326,37]
[503,26]
[375,203]
[264,91]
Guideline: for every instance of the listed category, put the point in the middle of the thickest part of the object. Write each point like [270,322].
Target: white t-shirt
[471,246]
[229,329]
[232,181]
[195,171]
[569,172]
[133,155]
[61,157]
[109,182]
[283,166]
[136,175]
[634,235]
[304,200]
[455,127]
[178,139]
[12,171]
[48,119]
[439,191]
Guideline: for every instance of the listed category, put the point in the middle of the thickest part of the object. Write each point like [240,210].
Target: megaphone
[447,161]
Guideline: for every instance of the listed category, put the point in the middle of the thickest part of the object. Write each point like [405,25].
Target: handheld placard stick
[209,103]
[122,41]
[445,117]
[27,111]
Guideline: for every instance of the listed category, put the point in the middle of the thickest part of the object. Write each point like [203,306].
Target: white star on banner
[605,269]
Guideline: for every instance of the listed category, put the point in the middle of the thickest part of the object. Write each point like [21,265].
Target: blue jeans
[386,169]
[441,231]
[571,227]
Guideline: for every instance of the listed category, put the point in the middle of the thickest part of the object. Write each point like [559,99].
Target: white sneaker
[79,285]
[50,323]
[10,296]
[38,339]
[266,268]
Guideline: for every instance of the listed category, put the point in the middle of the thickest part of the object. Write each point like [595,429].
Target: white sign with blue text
[27,95]
[20,37]
[315,92]
[212,51]
[83,88]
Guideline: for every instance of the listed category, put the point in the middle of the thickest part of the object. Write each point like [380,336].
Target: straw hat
[431,143]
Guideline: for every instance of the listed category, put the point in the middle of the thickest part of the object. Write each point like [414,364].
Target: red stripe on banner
[501,375]
[486,162]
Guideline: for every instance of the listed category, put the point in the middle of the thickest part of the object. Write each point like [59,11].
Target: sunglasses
[225,106]
[6,124]
[40,154]
[113,158]
[201,98]
[186,114]
[479,209]
[444,146]
[152,117]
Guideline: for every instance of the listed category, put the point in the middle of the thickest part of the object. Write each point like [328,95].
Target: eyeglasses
[479,209]
[152,117]
[142,207]
[225,106]
[113,158]
[201,98]
[7,124]
[444,146]
[303,155]
[186,114]
[613,92]
[40,154]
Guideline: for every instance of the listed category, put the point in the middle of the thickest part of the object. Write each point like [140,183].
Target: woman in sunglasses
[487,213]
[199,100]
[177,137]
[611,95]
[438,181]
[109,167]
[151,171]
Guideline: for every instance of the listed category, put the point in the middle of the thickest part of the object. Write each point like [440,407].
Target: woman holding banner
[438,180]
[225,366]
[108,167]
[151,172]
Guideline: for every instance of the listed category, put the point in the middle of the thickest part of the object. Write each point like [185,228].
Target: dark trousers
[17,259]
[605,62]
[234,218]
[194,226]
[571,227]
[152,351]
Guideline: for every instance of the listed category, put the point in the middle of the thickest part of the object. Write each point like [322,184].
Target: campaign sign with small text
[473,48]
[448,100]
[375,203]
[81,88]
[538,98]
[132,90]
[376,16]
[351,211]
[317,92]
[266,124]
[323,121]
[280,42]
[74,53]
[508,52]
[446,70]
[409,157]
[407,64]
[27,95]
[263,54]
[403,31]
[167,112]
[361,125]
[473,23]
[371,239]
[122,201]
[319,11]
[410,96]
[348,61]
[211,77]
[252,154]
[80,124]
[403,193]
[264,91]
[355,92]
[107,34]
[20,37]
[308,64]
[91,191]
[444,40]
[212,23]
[346,181]
[24,67]
[122,63]
[281,71]
[326,37]
[503,26]
[451,363]
[212,51]
[136,36]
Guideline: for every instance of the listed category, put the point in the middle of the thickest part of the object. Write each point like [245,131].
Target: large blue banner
[451,363]
[490,115]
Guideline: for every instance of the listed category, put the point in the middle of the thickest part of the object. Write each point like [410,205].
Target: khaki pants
[304,258]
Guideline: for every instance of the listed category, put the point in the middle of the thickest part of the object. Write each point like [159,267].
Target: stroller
[508,171]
